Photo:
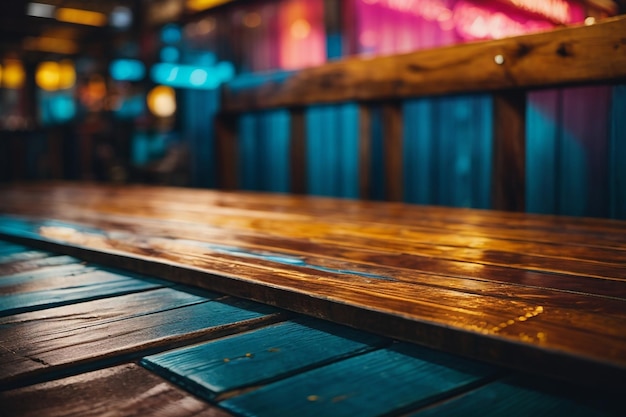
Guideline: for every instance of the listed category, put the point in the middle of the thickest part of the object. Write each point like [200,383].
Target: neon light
[127,70]
[192,76]
[81,17]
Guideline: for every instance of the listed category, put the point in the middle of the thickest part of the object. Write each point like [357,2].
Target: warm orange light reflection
[81,17]
[47,76]
[198,5]
[162,101]
[60,46]
[300,29]
[14,74]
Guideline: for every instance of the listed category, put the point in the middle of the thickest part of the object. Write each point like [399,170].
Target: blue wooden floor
[68,317]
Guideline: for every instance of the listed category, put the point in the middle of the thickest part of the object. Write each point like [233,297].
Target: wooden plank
[365,151]
[126,390]
[518,290]
[40,345]
[509,152]
[520,396]
[214,368]
[52,287]
[228,158]
[393,145]
[377,383]
[17,267]
[575,54]
[297,151]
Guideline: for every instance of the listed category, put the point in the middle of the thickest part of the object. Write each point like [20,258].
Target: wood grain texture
[595,53]
[55,286]
[539,293]
[39,344]
[373,384]
[261,356]
[125,390]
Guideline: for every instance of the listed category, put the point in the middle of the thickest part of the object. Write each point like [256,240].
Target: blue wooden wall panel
[617,152]
[198,112]
[542,132]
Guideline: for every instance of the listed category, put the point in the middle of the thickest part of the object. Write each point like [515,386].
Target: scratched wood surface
[563,56]
[126,390]
[538,293]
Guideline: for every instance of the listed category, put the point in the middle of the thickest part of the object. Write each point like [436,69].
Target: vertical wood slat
[509,151]
[392,146]
[297,151]
[226,142]
[365,151]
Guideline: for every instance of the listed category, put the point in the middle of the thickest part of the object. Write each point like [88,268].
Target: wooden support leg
[509,151]
[365,151]
[392,139]
[226,142]
[297,152]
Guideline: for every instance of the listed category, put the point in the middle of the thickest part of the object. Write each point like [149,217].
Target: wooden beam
[581,54]
[365,151]
[392,146]
[297,152]
[226,143]
[509,151]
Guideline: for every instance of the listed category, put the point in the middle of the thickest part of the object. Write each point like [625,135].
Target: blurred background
[125,91]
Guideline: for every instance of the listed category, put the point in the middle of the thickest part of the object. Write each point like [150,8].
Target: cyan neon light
[127,70]
[192,76]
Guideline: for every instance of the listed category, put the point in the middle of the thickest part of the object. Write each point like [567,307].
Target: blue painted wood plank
[372,384]
[11,268]
[45,272]
[257,357]
[8,248]
[617,153]
[52,287]
[117,328]
[522,397]
[19,256]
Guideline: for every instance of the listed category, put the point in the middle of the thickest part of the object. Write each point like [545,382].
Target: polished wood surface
[542,294]
[281,365]
[560,57]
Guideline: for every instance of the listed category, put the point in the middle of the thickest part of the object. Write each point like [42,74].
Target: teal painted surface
[7,248]
[37,263]
[264,151]
[332,150]
[260,356]
[372,384]
[53,287]
[447,151]
[617,152]
[522,398]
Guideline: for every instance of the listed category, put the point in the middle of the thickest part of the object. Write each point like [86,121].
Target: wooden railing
[506,68]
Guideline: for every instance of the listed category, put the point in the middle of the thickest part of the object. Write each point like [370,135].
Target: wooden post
[508,190]
[297,152]
[392,144]
[365,151]
[227,158]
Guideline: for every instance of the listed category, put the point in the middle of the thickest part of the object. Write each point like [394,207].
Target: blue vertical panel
[247,148]
[447,151]
[418,151]
[542,133]
[482,152]
[349,150]
[329,135]
[275,162]
[617,153]
[200,109]
[584,148]
[314,148]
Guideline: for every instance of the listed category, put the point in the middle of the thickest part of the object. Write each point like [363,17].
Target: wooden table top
[542,294]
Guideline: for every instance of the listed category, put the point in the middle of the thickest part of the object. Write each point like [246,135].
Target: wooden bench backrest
[506,68]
